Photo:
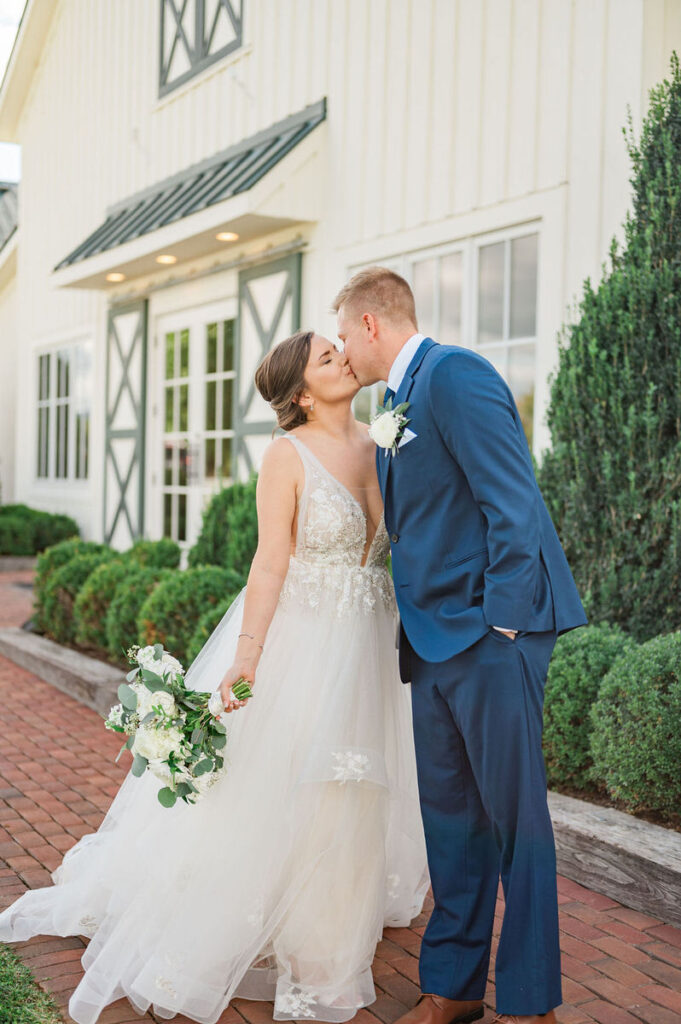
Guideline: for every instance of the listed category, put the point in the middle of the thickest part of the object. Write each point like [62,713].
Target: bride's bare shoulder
[280,459]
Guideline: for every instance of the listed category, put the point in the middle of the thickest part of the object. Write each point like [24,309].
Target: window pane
[210,404]
[168,464]
[43,440]
[43,377]
[521,382]
[62,440]
[184,406]
[209,470]
[524,287]
[170,391]
[82,444]
[184,353]
[228,346]
[227,388]
[491,293]
[183,457]
[62,374]
[424,295]
[167,515]
[211,348]
[181,517]
[451,279]
[226,467]
[170,356]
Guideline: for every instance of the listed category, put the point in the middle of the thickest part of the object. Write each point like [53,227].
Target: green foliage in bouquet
[61,592]
[49,562]
[612,479]
[581,658]
[207,623]
[229,530]
[171,613]
[636,727]
[120,626]
[27,531]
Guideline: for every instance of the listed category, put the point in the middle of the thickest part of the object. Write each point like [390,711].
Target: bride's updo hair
[280,378]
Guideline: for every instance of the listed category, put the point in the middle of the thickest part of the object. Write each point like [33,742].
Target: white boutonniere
[388,425]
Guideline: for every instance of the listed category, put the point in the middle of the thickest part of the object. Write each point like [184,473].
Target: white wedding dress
[278,883]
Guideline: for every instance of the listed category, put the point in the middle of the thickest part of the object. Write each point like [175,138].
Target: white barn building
[200,176]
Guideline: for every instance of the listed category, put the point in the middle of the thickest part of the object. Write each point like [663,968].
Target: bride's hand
[239,670]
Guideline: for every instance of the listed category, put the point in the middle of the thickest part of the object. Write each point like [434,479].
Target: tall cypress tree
[612,478]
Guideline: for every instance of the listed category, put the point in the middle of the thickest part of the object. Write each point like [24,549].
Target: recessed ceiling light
[227,236]
[115,277]
[166,258]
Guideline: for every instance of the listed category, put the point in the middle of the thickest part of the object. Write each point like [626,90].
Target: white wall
[8,389]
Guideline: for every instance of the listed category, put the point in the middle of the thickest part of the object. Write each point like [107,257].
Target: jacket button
[394,537]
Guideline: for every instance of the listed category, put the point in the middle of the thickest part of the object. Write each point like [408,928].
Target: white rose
[170,664]
[384,430]
[215,705]
[156,744]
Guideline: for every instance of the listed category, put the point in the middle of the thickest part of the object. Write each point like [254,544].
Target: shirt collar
[402,361]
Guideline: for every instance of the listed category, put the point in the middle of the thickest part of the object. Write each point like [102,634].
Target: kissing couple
[347,793]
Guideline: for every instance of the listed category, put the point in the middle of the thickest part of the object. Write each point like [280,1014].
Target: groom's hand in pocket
[510,633]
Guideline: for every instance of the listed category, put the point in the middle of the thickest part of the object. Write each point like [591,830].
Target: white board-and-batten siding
[447,119]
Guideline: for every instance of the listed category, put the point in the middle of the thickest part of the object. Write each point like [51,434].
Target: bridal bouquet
[172,731]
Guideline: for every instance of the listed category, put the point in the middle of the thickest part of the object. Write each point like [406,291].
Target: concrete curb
[88,680]
[17,563]
[628,859]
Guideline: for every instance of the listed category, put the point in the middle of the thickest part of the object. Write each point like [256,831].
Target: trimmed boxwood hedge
[27,531]
[121,618]
[52,559]
[636,727]
[171,613]
[581,658]
[229,530]
[61,591]
[207,623]
[93,601]
[160,554]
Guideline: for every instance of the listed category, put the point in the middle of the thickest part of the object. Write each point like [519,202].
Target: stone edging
[17,563]
[630,860]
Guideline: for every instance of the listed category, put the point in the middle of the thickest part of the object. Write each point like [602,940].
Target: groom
[483,589]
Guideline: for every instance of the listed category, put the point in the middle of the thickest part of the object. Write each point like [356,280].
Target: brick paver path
[58,776]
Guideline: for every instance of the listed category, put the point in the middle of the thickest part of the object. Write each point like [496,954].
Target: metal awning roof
[9,212]
[203,184]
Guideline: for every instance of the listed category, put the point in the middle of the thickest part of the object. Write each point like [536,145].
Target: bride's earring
[311,406]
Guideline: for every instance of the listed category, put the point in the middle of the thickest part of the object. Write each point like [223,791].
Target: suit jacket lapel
[402,395]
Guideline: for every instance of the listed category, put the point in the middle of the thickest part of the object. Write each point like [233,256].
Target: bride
[277,885]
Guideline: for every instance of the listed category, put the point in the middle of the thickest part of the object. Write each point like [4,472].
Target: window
[63,421]
[481,295]
[194,34]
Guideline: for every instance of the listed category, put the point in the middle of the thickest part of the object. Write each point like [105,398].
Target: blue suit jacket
[473,544]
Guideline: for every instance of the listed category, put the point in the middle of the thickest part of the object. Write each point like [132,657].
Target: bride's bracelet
[251,637]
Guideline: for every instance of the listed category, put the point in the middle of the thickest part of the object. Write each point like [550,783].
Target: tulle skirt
[278,883]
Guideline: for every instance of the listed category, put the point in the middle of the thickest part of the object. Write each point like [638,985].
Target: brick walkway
[57,777]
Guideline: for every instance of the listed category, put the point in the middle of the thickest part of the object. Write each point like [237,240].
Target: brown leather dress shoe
[432,1009]
[532,1018]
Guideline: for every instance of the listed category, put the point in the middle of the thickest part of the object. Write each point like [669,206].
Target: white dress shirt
[396,376]
[402,361]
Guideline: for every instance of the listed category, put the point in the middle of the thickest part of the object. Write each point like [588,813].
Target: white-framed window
[63,407]
[480,293]
[195,34]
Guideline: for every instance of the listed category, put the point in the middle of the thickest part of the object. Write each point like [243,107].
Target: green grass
[21,1000]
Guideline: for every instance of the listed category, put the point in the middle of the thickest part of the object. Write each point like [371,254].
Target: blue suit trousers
[478,732]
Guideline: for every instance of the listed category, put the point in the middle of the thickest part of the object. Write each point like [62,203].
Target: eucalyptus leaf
[127,697]
[131,740]
[158,651]
[131,675]
[148,717]
[167,796]
[120,751]
[219,727]
[203,766]
[219,741]
[139,765]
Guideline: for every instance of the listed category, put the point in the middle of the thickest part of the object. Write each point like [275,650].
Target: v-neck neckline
[367,550]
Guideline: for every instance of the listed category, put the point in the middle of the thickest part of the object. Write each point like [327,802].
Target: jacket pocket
[464,558]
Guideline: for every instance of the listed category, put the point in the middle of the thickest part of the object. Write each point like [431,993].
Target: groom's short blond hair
[379,291]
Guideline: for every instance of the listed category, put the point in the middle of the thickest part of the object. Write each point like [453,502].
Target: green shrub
[61,592]
[171,613]
[121,617]
[611,480]
[52,559]
[17,535]
[27,531]
[229,530]
[581,658]
[636,727]
[207,623]
[160,554]
[93,601]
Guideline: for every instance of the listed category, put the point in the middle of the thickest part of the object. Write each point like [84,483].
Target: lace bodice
[331,544]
